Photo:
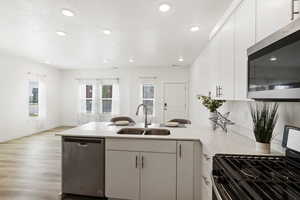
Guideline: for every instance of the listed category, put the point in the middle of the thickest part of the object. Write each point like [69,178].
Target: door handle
[165,106]
[136,161]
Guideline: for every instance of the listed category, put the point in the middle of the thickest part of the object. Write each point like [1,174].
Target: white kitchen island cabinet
[122,175]
[150,169]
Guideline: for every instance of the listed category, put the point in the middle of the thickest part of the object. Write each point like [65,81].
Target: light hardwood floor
[30,167]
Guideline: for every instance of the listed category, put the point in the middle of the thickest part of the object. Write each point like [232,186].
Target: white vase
[213,124]
[263,148]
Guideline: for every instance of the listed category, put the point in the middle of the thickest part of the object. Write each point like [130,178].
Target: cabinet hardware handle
[180,151]
[206,157]
[205,180]
[136,161]
[293,9]
[142,161]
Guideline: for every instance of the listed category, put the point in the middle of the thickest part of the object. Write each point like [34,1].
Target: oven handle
[217,193]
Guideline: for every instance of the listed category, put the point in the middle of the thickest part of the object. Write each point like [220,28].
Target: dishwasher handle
[83,141]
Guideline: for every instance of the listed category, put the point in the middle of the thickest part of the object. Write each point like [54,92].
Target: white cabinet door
[244,38]
[272,15]
[122,175]
[158,176]
[226,71]
[214,55]
[185,170]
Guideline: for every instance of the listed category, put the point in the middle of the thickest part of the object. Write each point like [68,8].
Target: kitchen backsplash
[289,113]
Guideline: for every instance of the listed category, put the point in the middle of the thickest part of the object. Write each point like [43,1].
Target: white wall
[14,119]
[129,88]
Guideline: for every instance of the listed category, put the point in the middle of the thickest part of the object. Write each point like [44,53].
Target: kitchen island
[162,167]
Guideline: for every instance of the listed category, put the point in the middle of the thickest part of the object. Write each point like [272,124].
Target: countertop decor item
[264,117]
[221,120]
[212,105]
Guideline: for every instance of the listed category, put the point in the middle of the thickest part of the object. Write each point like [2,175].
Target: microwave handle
[215,189]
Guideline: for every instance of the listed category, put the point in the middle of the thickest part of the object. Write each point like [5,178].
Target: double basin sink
[143,131]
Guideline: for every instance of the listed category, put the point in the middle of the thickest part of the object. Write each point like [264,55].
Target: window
[33,98]
[148,97]
[106,98]
[89,98]
[99,96]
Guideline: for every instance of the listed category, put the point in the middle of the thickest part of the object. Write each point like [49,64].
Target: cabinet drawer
[141,145]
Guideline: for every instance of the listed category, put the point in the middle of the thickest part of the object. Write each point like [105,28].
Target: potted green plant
[264,117]
[212,105]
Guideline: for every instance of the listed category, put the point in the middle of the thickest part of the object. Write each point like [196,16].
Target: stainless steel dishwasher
[83,165]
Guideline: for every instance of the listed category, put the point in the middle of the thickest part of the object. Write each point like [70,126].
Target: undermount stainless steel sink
[156,131]
[131,131]
[142,131]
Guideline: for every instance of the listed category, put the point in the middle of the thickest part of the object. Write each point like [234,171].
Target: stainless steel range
[251,177]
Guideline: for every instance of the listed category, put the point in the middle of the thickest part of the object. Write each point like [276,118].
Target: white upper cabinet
[272,15]
[226,71]
[214,56]
[244,38]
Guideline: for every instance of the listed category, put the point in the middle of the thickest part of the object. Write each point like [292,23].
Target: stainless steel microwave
[274,66]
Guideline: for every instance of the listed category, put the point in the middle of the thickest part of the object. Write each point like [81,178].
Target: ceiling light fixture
[164,7]
[194,28]
[60,33]
[67,13]
[131,60]
[181,59]
[273,59]
[107,32]
[105,61]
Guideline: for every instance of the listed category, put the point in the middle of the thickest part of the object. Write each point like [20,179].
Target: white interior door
[175,101]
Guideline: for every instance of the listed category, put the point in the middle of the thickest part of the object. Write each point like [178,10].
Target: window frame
[101,98]
[149,99]
[92,99]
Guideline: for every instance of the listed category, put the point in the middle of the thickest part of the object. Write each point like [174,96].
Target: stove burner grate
[268,177]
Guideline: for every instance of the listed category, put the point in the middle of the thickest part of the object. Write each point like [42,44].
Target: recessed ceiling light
[60,33]
[194,28]
[164,7]
[105,61]
[180,59]
[67,13]
[107,32]
[273,59]
[131,60]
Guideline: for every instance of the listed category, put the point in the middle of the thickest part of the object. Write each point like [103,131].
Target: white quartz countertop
[213,142]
